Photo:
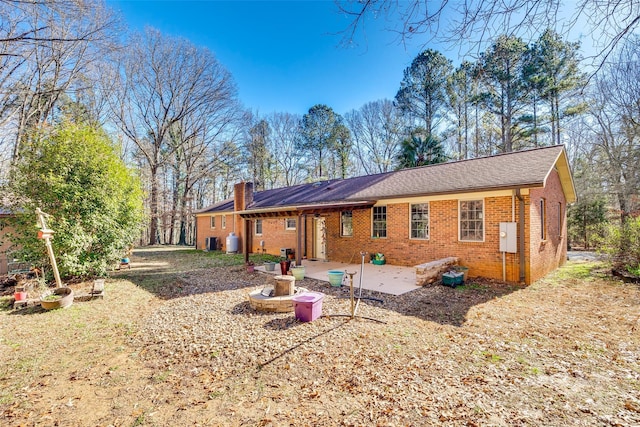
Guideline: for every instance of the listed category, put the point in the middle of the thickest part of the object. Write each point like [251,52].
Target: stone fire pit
[262,301]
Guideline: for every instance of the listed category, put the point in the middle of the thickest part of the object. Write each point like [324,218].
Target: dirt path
[174,342]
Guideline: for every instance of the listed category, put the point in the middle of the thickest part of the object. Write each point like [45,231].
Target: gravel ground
[175,343]
[486,354]
[583,256]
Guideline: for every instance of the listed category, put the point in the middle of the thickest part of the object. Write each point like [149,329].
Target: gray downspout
[521,233]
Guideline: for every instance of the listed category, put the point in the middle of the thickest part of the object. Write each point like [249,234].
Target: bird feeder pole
[46,235]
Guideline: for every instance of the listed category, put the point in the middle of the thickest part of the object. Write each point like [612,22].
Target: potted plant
[250,266]
[57,298]
[378,259]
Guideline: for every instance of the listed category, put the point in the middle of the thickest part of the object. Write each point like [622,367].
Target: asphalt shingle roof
[522,169]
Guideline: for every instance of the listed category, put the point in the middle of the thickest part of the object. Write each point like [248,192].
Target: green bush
[622,244]
[74,173]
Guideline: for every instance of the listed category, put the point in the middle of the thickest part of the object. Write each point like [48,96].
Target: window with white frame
[290,224]
[420,221]
[213,222]
[543,219]
[223,221]
[258,227]
[346,223]
[379,221]
[471,220]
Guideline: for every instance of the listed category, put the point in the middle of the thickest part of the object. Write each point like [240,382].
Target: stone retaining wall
[429,272]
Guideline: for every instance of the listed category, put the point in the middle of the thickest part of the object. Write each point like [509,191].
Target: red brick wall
[275,236]
[548,254]
[482,258]
[274,233]
[204,230]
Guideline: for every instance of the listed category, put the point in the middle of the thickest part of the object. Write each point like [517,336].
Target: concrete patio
[388,279]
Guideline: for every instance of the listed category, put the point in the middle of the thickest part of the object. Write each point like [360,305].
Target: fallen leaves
[490,354]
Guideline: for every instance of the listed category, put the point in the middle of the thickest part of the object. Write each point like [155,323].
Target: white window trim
[212,222]
[342,228]
[223,221]
[286,224]
[428,221]
[255,227]
[484,225]
[386,216]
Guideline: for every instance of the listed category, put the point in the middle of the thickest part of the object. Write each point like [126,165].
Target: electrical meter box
[508,237]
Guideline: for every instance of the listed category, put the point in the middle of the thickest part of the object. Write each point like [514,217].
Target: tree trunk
[153,226]
[557,101]
[535,121]
[553,122]
[466,127]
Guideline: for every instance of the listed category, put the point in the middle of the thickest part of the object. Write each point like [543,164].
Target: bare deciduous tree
[48,49]
[616,132]
[285,132]
[474,23]
[377,129]
[165,81]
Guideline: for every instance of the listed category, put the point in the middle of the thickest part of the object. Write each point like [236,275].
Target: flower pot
[250,268]
[461,269]
[269,266]
[335,277]
[58,298]
[298,272]
[20,296]
[284,267]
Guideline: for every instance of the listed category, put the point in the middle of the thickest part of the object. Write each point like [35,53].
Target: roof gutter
[302,208]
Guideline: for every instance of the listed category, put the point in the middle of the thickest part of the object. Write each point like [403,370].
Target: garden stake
[362,254]
[351,291]
[354,308]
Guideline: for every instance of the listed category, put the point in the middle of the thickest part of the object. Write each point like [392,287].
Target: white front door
[320,239]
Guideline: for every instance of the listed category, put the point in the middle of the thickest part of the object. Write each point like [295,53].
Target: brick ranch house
[504,216]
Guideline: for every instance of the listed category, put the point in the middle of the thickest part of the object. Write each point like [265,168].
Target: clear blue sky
[286,55]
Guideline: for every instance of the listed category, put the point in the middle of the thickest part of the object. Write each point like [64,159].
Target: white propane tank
[232,243]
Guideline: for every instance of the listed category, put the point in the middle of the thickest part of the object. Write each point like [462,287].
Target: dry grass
[174,342]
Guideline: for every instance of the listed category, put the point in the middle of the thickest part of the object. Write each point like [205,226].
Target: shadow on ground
[174,274]
[434,303]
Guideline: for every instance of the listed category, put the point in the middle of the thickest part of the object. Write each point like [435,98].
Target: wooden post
[246,235]
[299,240]
[46,235]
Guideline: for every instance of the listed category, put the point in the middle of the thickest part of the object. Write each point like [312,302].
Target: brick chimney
[242,195]
[242,198]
